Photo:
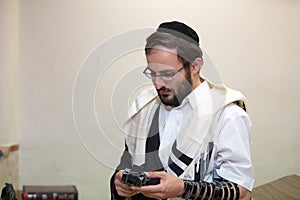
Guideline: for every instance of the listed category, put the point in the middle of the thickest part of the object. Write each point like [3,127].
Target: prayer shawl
[191,148]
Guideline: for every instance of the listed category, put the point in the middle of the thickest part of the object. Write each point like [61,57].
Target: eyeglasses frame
[170,77]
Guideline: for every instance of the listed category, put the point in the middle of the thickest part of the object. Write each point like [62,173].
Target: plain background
[254,44]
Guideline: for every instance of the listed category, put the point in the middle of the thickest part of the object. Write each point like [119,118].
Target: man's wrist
[190,189]
[182,187]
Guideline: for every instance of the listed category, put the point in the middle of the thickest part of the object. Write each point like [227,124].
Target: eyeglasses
[164,75]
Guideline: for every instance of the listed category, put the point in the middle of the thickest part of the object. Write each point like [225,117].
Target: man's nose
[158,83]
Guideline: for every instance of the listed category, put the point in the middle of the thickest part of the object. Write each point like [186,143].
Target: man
[190,136]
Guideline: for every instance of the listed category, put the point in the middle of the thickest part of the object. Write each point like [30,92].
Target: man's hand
[169,186]
[123,189]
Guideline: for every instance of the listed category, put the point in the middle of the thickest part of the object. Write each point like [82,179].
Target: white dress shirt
[231,156]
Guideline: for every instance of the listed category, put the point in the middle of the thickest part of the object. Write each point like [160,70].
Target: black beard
[174,102]
[184,89]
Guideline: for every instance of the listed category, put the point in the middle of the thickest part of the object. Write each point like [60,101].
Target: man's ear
[196,65]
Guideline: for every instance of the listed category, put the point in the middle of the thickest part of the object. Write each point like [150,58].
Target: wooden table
[285,188]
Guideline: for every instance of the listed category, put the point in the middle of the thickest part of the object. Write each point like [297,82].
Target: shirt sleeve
[233,159]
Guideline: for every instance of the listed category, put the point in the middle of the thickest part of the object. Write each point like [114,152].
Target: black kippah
[180,30]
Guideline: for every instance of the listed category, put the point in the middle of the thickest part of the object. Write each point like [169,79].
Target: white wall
[255,45]
[9,44]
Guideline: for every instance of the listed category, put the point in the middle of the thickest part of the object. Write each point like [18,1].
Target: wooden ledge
[287,188]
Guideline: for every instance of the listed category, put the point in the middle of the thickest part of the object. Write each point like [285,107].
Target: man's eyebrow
[166,71]
[162,71]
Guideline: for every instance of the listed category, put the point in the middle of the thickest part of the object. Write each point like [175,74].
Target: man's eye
[152,73]
[169,74]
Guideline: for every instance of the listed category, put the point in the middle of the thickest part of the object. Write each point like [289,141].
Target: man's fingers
[124,190]
[147,188]
[155,174]
[119,174]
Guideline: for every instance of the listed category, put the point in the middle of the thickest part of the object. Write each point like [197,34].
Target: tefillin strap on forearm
[216,190]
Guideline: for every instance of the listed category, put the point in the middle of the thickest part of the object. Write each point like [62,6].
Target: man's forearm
[217,190]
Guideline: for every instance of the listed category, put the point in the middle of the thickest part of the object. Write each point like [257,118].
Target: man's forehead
[159,48]
[160,67]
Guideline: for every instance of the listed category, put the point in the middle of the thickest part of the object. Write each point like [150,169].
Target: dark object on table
[40,192]
[8,192]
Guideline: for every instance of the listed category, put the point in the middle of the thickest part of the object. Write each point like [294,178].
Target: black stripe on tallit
[175,168]
[181,156]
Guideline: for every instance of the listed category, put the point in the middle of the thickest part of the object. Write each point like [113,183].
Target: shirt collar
[197,95]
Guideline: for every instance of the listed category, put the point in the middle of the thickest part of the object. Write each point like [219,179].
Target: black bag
[8,192]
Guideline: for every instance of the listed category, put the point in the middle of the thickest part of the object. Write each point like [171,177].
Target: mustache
[165,89]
